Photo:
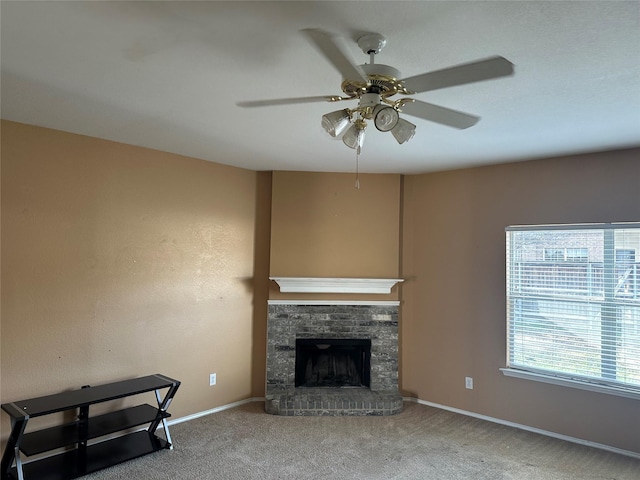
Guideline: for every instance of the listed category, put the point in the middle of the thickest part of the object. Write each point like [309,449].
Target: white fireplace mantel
[335,285]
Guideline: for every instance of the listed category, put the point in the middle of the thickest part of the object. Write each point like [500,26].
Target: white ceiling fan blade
[290,101]
[486,69]
[329,45]
[437,114]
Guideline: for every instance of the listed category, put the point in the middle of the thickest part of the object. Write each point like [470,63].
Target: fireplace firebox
[332,362]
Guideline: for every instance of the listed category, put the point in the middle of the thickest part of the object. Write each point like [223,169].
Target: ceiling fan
[373,85]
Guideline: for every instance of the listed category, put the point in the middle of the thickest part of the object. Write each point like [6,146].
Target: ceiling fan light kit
[385,118]
[335,123]
[403,131]
[354,137]
[373,84]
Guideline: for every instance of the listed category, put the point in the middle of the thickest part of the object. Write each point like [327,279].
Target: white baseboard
[214,410]
[547,433]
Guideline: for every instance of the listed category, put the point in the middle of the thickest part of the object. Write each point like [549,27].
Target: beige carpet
[420,443]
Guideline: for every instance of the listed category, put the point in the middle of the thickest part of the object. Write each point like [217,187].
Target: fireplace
[332,358]
[333,363]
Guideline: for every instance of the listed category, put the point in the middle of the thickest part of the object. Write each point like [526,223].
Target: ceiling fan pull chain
[357,168]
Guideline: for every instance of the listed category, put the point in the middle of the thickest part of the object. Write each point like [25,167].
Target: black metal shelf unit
[82,457]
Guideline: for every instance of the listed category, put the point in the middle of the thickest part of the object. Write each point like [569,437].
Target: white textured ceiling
[167,75]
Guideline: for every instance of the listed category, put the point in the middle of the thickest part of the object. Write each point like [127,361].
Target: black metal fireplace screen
[322,362]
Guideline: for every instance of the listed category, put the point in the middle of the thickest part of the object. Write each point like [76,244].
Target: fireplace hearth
[332,358]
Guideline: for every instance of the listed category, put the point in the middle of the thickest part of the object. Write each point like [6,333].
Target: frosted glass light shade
[354,138]
[336,122]
[385,118]
[403,131]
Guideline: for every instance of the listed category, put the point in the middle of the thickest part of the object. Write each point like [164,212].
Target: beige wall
[120,261]
[453,318]
[322,226]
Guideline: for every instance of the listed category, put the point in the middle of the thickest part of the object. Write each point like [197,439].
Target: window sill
[592,387]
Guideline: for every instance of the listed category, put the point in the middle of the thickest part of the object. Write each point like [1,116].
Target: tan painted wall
[322,226]
[120,261]
[454,313]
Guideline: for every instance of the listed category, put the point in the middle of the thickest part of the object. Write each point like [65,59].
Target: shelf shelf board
[59,402]
[71,464]
[69,434]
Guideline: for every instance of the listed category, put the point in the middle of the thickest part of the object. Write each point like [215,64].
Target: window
[566,254]
[573,303]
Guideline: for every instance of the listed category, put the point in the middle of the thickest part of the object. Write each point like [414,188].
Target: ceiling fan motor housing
[383,79]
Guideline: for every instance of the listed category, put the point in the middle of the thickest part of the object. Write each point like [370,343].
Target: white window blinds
[573,302]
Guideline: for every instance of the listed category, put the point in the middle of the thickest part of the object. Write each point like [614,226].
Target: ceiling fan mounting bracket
[372,43]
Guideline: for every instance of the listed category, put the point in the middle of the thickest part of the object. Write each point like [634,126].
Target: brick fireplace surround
[289,320]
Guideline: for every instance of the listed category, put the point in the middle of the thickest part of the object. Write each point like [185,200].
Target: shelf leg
[83,426]
[163,405]
[12,450]
[19,464]
[164,420]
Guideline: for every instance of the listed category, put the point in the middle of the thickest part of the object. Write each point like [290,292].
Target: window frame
[557,377]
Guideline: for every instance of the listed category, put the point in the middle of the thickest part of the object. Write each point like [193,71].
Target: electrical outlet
[468,383]
[212,379]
